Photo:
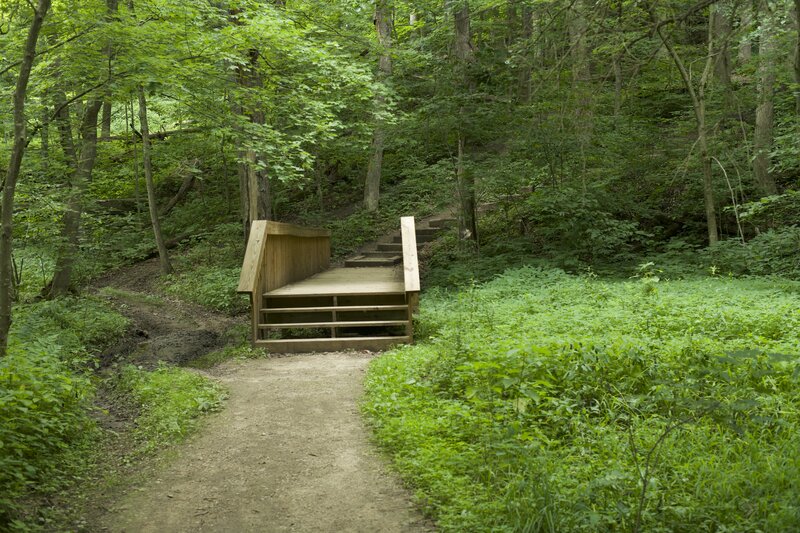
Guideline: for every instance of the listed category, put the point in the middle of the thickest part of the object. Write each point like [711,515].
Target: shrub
[774,252]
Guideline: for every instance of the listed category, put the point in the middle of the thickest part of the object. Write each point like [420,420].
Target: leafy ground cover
[46,396]
[542,401]
[170,400]
[51,436]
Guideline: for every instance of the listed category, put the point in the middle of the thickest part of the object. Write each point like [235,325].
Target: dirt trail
[288,453]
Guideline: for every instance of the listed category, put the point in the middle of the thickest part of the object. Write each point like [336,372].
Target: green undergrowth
[49,436]
[207,272]
[46,393]
[542,401]
[170,402]
[227,353]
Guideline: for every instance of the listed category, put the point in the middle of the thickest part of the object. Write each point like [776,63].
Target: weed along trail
[289,452]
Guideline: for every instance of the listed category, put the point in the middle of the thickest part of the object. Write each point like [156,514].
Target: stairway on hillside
[389,250]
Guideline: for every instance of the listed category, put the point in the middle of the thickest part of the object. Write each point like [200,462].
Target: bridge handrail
[278,254]
[410,260]
[292,254]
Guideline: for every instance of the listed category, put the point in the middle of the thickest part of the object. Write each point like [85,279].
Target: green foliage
[45,396]
[213,287]
[774,252]
[547,402]
[208,272]
[78,323]
[170,402]
[580,224]
[45,426]
[215,358]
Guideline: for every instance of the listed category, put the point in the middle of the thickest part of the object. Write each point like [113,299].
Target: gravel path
[288,453]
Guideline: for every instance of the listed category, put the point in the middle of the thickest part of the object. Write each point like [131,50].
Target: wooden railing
[408,234]
[278,254]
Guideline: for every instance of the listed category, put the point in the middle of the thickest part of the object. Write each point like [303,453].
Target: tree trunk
[721,28]
[465,53]
[699,107]
[105,122]
[617,86]
[163,255]
[383,28]
[105,128]
[71,222]
[579,51]
[44,134]
[525,70]
[466,196]
[796,69]
[253,177]
[746,45]
[762,136]
[12,174]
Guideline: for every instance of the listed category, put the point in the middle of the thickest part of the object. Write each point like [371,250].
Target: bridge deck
[338,281]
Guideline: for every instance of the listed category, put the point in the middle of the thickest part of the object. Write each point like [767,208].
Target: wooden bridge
[300,304]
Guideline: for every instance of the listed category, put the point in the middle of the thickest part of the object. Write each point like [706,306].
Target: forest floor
[289,451]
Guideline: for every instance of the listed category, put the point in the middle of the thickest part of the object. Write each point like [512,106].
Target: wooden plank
[253,257]
[331,345]
[412,299]
[281,228]
[410,260]
[339,324]
[341,308]
[346,281]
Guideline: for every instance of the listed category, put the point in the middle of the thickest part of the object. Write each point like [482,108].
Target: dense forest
[608,341]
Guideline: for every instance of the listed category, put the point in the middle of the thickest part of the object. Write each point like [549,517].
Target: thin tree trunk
[12,174]
[256,191]
[105,128]
[617,86]
[579,50]
[796,69]
[383,28]
[147,164]
[71,222]
[466,195]
[44,134]
[722,65]
[762,136]
[746,45]
[525,70]
[465,53]
[699,107]
[163,255]
[105,122]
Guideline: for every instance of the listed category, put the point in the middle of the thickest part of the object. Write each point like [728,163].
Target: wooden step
[342,308]
[421,239]
[331,345]
[367,261]
[340,324]
[390,246]
[441,222]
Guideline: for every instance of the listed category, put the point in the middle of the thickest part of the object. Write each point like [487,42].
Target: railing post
[408,235]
